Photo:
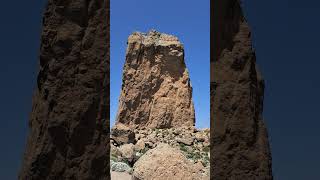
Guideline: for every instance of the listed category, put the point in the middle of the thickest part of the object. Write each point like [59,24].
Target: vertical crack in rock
[239,140]
[156,89]
[69,122]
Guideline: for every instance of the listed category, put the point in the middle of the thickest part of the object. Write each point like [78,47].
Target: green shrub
[114,158]
[183,148]
[206,149]
[206,160]
[196,156]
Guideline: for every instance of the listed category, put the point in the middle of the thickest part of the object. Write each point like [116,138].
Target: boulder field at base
[176,153]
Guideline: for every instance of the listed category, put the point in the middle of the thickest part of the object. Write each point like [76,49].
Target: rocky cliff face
[239,141]
[69,132]
[156,90]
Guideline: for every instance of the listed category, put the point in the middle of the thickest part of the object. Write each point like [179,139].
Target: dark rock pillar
[69,122]
[239,140]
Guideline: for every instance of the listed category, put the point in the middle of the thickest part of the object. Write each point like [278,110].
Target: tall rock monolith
[239,140]
[69,122]
[156,89]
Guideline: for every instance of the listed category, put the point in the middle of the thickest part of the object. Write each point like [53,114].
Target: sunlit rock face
[69,134]
[156,89]
[239,140]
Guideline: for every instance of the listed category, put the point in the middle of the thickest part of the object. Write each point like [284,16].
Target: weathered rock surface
[120,167]
[120,176]
[195,152]
[127,151]
[69,122]
[114,150]
[156,89]
[239,141]
[140,145]
[122,134]
[165,162]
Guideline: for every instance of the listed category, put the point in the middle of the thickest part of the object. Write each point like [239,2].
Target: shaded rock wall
[239,140]
[69,134]
[156,89]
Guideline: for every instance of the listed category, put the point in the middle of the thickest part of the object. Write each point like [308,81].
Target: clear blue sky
[19,49]
[189,20]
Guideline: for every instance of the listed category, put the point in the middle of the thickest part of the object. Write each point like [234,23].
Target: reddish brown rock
[122,134]
[165,162]
[69,122]
[156,90]
[239,140]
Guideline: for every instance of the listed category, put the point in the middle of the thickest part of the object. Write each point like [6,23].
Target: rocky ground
[175,151]
[120,175]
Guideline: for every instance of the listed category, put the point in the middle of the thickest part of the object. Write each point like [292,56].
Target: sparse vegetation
[114,158]
[206,160]
[196,151]
[183,148]
[143,151]
[206,149]
[157,131]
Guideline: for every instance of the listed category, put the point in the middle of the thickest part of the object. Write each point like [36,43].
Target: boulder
[114,151]
[140,145]
[120,175]
[120,167]
[187,141]
[127,151]
[198,167]
[200,136]
[122,134]
[165,162]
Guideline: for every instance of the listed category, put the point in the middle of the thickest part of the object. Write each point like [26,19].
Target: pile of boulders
[129,146]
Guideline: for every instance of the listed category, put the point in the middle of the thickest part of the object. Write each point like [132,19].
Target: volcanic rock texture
[239,141]
[69,134]
[156,90]
[166,162]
